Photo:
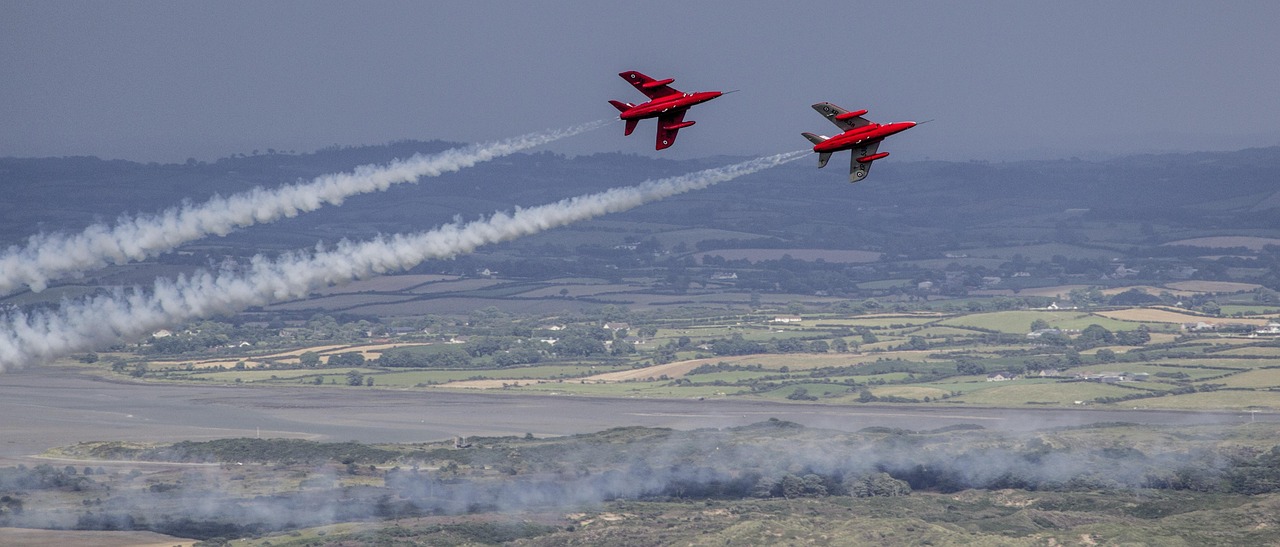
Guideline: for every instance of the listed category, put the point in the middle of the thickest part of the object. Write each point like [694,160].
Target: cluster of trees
[311,359]
[355,379]
[1091,337]
[44,477]
[506,351]
[801,394]
[503,351]
[9,505]
[212,336]
[865,396]
[186,343]
[347,359]
[450,356]
[969,368]
[876,485]
[738,345]
[283,451]
[1253,475]
[1180,390]
[710,368]
[498,340]
[809,485]
[522,355]
[801,277]
[1096,335]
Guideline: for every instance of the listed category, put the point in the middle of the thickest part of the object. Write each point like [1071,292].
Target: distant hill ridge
[1239,187]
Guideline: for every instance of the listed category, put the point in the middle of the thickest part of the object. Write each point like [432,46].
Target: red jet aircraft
[665,103]
[861,135]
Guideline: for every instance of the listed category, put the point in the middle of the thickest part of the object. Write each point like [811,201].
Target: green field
[658,389]
[1246,309]
[1020,321]
[1230,400]
[1266,351]
[415,377]
[814,389]
[729,376]
[910,392]
[880,322]
[1021,392]
[943,332]
[1254,379]
[884,284]
[1226,362]
[272,375]
[1154,369]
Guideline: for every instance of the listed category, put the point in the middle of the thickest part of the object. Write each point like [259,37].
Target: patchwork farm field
[1157,315]
[1020,321]
[1045,251]
[1249,242]
[843,358]
[757,255]
[1213,286]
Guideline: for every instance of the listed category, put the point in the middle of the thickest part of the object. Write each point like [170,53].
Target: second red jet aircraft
[861,135]
[665,103]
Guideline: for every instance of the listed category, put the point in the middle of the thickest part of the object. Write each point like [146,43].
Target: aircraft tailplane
[815,139]
[621,106]
[822,159]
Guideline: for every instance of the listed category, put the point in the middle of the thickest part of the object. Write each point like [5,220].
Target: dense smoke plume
[46,257]
[30,338]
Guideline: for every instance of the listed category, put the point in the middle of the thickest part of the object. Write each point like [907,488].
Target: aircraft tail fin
[822,159]
[822,156]
[815,139]
[631,126]
[621,106]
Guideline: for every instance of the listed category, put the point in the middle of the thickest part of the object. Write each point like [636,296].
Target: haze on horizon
[165,81]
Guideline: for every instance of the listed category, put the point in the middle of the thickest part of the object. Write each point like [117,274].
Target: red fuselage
[860,136]
[657,107]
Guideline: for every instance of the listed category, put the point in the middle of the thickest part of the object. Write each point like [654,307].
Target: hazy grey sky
[163,81]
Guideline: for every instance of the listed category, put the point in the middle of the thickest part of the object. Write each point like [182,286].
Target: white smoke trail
[83,325]
[46,257]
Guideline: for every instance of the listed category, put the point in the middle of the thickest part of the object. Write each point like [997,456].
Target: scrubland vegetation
[961,484]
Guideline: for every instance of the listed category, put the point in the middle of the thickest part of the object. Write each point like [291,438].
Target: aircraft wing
[650,87]
[859,170]
[830,111]
[667,137]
